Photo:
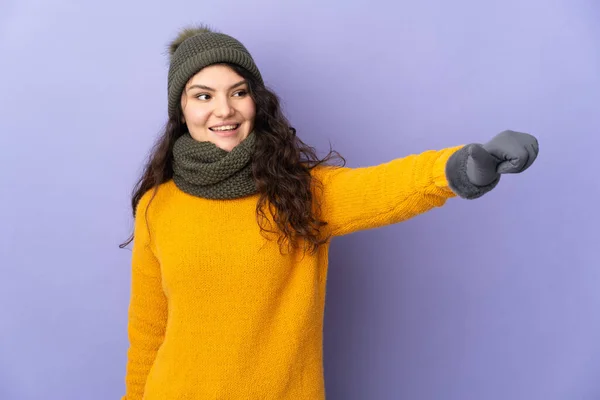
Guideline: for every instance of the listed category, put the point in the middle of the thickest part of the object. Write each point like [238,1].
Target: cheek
[250,110]
[196,116]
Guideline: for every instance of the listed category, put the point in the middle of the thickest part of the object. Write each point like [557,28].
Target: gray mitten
[476,169]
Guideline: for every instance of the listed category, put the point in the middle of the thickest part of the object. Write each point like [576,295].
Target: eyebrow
[240,83]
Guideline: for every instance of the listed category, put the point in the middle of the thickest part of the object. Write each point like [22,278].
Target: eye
[198,96]
[241,93]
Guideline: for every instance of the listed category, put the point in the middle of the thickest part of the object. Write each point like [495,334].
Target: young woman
[233,219]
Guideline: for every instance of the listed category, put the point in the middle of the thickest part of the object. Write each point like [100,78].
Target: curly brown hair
[281,166]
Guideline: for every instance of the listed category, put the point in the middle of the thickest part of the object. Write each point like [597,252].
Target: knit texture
[199,51]
[458,179]
[204,169]
[216,311]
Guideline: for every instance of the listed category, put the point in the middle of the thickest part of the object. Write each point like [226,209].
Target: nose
[223,108]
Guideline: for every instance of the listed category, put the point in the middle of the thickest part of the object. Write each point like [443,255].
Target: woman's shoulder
[323,172]
[159,194]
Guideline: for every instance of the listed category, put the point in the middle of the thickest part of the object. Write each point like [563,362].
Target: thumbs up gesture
[508,152]
[476,168]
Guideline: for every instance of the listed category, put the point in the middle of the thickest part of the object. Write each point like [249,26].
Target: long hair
[281,166]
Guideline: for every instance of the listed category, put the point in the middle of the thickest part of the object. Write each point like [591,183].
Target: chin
[225,146]
[228,144]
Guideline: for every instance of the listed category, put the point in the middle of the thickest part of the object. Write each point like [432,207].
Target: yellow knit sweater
[217,312]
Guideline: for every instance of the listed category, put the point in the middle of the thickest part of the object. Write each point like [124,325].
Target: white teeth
[224,128]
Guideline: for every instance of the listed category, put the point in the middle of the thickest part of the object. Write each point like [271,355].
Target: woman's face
[217,107]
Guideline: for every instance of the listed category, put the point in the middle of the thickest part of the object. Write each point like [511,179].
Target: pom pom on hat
[187,33]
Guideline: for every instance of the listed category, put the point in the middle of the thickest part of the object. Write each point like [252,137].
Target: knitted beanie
[196,48]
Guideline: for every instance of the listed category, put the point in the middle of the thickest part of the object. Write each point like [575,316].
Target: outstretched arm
[370,197]
[356,199]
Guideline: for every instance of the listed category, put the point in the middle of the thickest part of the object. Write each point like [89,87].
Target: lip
[227,133]
[226,123]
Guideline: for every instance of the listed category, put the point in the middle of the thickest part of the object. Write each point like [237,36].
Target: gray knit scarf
[203,169]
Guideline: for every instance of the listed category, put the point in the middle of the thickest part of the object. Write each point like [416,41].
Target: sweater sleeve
[147,309]
[354,199]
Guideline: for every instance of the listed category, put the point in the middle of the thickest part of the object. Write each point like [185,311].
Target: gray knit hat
[198,47]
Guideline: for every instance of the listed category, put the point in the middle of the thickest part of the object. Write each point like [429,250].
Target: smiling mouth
[225,128]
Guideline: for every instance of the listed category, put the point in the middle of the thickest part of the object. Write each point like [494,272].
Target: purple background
[491,299]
